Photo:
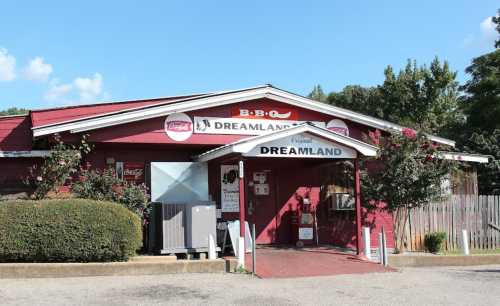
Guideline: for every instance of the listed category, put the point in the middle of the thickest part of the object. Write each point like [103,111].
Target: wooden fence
[479,215]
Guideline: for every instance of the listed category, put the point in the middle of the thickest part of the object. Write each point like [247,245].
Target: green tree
[496,21]
[420,97]
[359,99]
[481,105]
[410,176]
[423,98]
[317,94]
[14,111]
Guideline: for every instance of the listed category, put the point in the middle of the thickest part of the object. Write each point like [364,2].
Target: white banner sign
[302,145]
[230,194]
[242,126]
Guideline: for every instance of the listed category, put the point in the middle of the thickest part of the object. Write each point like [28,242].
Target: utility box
[181,227]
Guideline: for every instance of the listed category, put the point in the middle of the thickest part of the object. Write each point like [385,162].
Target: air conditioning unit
[342,201]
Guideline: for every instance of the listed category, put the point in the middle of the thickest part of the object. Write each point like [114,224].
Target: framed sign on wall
[230,190]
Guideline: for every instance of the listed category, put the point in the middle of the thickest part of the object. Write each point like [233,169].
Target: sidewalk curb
[44,270]
[400,261]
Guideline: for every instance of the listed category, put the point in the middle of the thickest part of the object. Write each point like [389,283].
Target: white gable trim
[246,145]
[475,158]
[220,99]
[18,154]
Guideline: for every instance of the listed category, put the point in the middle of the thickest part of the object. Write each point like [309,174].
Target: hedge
[72,230]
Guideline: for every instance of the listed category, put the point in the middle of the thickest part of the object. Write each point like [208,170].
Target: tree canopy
[13,111]
[420,97]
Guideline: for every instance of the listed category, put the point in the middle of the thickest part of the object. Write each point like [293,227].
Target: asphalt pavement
[479,285]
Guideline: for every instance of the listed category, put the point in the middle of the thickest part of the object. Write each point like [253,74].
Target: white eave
[18,154]
[245,145]
[475,158]
[219,99]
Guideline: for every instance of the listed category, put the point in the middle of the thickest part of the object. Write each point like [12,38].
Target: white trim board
[246,145]
[17,154]
[220,99]
[458,156]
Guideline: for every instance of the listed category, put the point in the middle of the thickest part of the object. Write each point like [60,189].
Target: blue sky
[56,53]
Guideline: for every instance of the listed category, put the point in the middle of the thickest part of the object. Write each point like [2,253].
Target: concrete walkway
[316,261]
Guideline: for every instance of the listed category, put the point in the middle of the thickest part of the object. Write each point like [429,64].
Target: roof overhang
[247,145]
[220,99]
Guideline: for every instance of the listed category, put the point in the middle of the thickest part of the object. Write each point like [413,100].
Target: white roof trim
[245,145]
[219,99]
[476,158]
[15,154]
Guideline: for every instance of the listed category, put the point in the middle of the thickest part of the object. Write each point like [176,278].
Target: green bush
[71,230]
[433,242]
[103,185]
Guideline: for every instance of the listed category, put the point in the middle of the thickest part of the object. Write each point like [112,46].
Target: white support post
[366,239]
[381,248]
[211,247]
[241,252]
[465,242]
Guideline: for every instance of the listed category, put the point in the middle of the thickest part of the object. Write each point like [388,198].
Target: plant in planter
[433,242]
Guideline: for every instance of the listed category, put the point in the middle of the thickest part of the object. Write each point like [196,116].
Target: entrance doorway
[262,206]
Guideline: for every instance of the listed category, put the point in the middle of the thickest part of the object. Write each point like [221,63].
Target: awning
[301,141]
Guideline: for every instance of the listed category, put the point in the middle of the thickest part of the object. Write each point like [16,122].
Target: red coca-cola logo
[179,126]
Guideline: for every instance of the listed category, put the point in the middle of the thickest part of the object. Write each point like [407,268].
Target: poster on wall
[230,194]
[130,172]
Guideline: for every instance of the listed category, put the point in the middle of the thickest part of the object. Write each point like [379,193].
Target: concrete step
[148,258]
[41,270]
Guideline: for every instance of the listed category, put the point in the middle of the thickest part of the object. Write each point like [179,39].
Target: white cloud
[7,66]
[81,90]
[37,70]
[486,36]
[58,92]
[89,88]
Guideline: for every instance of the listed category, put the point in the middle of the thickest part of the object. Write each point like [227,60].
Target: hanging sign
[338,126]
[241,126]
[230,190]
[302,145]
[178,126]
[271,113]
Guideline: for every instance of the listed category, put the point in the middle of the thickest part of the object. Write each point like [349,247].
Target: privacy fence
[479,215]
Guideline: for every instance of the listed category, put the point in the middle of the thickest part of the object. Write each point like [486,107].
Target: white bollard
[241,252]
[211,247]
[366,238]
[381,248]
[465,242]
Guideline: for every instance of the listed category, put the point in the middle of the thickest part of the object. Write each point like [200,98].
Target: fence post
[366,239]
[465,242]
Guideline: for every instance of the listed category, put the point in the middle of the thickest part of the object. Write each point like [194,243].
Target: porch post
[357,195]
[241,241]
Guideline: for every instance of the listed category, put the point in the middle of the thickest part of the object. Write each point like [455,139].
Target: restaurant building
[286,163]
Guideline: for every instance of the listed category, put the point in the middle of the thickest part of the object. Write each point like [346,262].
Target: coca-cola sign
[179,126]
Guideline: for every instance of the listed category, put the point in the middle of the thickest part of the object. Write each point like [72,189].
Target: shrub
[105,186]
[67,231]
[56,168]
[433,242]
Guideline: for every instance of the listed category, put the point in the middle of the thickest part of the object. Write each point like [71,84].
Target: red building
[298,155]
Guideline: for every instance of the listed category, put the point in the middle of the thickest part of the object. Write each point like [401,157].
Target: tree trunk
[400,220]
